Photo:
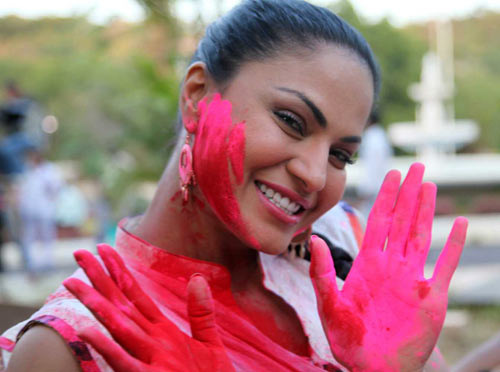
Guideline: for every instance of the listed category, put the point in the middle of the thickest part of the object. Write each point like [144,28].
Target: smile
[290,207]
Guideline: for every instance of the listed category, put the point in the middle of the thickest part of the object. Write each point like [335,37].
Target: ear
[194,89]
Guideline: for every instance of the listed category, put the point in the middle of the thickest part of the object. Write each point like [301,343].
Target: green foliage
[399,55]
[106,102]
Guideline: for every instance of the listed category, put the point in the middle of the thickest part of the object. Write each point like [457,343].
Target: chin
[272,244]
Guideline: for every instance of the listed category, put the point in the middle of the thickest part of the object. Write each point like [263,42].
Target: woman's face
[294,121]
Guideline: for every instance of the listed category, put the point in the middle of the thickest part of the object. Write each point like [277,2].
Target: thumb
[201,312]
[322,273]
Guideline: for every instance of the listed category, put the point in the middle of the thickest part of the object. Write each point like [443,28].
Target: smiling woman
[273,106]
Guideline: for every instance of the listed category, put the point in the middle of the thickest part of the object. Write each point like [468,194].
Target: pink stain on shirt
[7,344]
[218,143]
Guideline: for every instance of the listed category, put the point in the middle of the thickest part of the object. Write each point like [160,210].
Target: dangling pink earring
[186,172]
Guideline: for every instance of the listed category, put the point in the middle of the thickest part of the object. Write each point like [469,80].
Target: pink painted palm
[144,339]
[388,316]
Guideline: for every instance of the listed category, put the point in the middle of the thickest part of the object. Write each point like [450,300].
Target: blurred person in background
[28,110]
[375,154]
[71,207]
[37,191]
[14,142]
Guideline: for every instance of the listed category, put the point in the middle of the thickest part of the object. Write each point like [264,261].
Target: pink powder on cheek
[237,151]
[213,150]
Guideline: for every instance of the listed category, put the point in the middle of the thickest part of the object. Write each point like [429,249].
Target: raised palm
[388,316]
[144,339]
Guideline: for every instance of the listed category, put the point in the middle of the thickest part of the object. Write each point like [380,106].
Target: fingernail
[195,275]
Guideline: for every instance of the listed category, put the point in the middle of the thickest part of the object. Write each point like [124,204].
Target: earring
[299,246]
[186,172]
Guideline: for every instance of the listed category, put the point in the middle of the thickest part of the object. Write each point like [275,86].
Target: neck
[193,230]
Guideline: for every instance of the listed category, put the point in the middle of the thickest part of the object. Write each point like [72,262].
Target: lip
[290,194]
[277,211]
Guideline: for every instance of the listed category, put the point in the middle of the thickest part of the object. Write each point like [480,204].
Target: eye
[291,120]
[340,158]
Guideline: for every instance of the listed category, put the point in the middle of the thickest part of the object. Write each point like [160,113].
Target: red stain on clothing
[176,196]
[7,344]
[213,151]
[199,202]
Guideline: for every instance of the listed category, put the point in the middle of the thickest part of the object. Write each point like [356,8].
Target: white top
[38,190]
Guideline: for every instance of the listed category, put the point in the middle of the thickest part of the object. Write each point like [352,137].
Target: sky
[399,12]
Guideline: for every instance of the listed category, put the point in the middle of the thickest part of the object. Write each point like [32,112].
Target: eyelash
[296,124]
[291,120]
[343,157]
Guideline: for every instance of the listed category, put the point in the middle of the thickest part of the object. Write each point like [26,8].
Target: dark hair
[374,117]
[259,29]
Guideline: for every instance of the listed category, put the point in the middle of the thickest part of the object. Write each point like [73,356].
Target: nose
[310,166]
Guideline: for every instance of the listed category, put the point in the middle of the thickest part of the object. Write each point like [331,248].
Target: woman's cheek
[219,154]
[334,189]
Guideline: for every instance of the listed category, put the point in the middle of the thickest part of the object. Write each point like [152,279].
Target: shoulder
[42,349]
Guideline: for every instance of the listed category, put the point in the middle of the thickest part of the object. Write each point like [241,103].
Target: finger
[123,330]
[117,358]
[379,220]
[404,211]
[128,284]
[323,276]
[450,256]
[200,309]
[105,286]
[419,240]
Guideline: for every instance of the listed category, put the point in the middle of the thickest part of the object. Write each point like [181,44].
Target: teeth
[293,207]
[275,197]
[284,202]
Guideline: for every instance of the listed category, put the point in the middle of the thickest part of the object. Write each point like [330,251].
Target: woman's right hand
[144,339]
[388,316]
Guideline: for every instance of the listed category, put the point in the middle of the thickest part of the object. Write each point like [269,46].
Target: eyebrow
[320,118]
[351,139]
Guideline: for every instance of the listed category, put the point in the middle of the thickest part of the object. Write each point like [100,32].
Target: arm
[485,357]
[41,349]
[436,362]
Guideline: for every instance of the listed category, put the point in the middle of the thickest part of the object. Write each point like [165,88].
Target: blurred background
[89,100]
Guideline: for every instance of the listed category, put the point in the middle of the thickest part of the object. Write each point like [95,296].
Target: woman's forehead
[327,75]
[323,61]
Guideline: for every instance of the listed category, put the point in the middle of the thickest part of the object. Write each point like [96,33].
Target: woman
[273,106]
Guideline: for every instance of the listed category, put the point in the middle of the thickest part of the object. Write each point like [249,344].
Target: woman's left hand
[388,316]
